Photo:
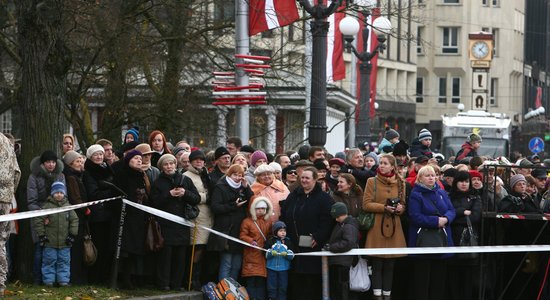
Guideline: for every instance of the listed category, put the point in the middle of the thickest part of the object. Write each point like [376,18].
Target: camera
[392,202]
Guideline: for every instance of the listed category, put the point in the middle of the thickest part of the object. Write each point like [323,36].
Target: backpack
[210,292]
[230,289]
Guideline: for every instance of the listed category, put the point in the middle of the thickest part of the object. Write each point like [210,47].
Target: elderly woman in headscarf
[268,186]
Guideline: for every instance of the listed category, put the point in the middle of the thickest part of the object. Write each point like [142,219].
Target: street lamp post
[318,104]
[349,27]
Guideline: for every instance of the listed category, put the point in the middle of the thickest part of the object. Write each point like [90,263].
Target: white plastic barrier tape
[362,251]
[49,211]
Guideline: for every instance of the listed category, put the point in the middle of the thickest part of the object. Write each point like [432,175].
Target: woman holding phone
[228,204]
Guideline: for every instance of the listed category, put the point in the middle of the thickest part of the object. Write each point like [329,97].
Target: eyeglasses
[292,173]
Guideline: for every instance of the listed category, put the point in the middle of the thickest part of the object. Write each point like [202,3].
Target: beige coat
[205,217]
[382,234]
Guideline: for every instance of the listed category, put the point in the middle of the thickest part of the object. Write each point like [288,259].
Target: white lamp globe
[460,106]
[382,25]
[376,105]
[365,3]
[541,110]
[349,26]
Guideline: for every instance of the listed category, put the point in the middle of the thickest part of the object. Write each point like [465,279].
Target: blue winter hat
[58,187]
[134,132]
[278,226]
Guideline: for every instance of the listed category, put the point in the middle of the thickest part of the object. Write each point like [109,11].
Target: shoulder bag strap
[260,230]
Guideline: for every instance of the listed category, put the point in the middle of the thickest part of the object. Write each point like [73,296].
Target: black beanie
[197,154]
[220,151]
[48,155]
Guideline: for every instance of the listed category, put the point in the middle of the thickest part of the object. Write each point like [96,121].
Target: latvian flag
[336,69]
[268,14]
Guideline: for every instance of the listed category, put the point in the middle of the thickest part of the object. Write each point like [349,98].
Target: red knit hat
[475,173]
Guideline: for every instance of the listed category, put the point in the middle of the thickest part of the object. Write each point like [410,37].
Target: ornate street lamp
[349,27]
[318,104]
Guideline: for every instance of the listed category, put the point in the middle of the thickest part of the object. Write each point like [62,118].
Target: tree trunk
[45,60]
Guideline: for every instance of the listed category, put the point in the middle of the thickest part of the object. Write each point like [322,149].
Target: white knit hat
[93,149]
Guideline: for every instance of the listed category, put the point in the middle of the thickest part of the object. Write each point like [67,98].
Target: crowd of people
[289,203]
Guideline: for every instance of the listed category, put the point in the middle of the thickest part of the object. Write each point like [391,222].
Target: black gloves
[43,240]
[70,240]
[326,247]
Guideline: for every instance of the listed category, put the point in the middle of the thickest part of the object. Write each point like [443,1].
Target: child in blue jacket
[279,255]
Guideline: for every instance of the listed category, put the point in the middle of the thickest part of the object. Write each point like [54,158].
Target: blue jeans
[37,264]
[56,265]
[230,265]
[277,284]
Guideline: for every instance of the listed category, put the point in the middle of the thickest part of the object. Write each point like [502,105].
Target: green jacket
[58,226]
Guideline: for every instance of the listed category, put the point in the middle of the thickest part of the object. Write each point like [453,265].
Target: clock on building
[480,49]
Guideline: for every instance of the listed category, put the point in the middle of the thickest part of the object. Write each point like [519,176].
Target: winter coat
[383,144]
[275,192]
[423,214]
[215,176]
[96,179]
[227,215]
[10,174]
[343,238]
[352,201]
[76,192]
[308,214]
[249,175]
[201,181]
[516,203]
[279,262]
[40,182]
[174,234]
[132,183]
[361,175]
[59,225]
[465,201]
[253,259]
[386,232]
[418,149]
[466,150]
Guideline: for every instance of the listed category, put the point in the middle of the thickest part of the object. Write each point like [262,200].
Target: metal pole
[242,46]
[325,278]
[363,124]
[114,274]
[318,108]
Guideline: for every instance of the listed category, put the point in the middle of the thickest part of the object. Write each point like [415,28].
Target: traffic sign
[536,145]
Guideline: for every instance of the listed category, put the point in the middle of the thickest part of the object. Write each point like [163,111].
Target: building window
[419,35]
[456,90]
[493,94]
[442,90]
[496,2]
[495,41]
[267,34]
[290,32]
[5,122]
[450,40]
[484,2]
[451,1]
[419,90]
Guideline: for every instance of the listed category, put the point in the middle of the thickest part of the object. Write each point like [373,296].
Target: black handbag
[468,238]
[431,237]
[190,211]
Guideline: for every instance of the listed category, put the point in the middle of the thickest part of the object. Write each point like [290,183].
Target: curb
[176,296]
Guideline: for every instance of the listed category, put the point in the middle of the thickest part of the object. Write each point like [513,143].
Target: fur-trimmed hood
[38,169]
[252,208]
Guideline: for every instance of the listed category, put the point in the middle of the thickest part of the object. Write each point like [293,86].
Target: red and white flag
[336,68]
[268,14]
[372,43]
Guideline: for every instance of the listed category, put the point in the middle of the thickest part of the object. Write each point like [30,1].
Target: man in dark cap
[222,162]
[540,176]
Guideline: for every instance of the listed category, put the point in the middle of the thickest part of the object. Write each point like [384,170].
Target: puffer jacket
[10,173]
[56,227]
[40,182]
[343,238]
[254,229]
[279,262]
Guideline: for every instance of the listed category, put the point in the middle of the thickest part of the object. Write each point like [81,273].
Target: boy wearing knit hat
[421,145]
[470,147]
[390,139]
[56,233]
[343,238]
[279,254]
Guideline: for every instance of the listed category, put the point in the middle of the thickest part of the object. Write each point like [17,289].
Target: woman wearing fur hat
[255,230]
[132,181]
[97,178]
[229,204]
[170,192]
[267,186]
[467,204]
[198,173]
[45,170]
